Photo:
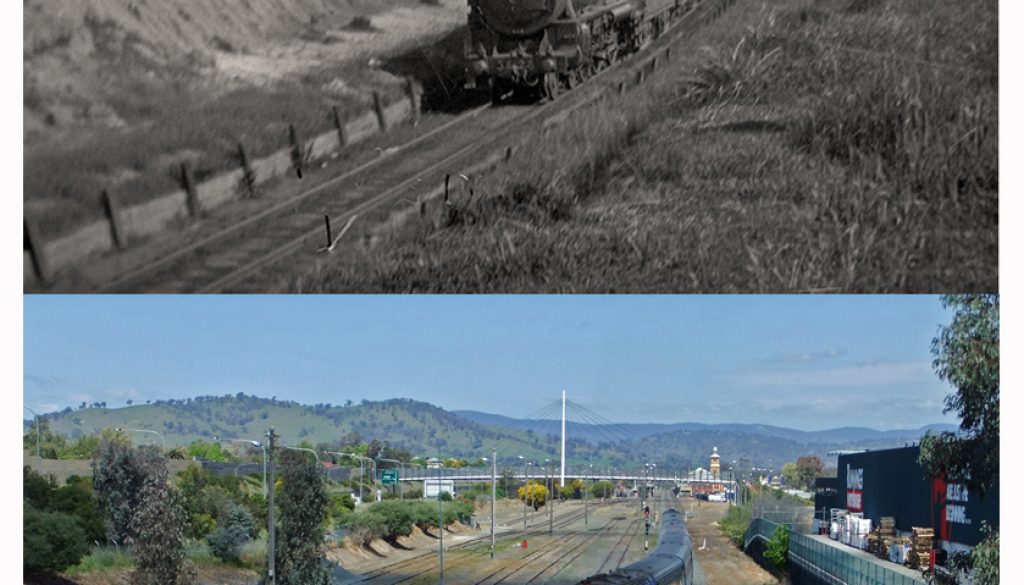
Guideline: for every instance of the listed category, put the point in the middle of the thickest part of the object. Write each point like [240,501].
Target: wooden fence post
[622,87]
[191,197]
[378,107]
[113,211]
[654,64]
[339,126]
[668,54]
[248,176]
[34,244]
[640,77]
[297,153]
[414,102]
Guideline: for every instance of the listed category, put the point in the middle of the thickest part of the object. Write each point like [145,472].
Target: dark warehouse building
[892,483]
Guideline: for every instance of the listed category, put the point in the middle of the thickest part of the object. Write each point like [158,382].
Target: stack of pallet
[921,540]
[886,536]
[873,543]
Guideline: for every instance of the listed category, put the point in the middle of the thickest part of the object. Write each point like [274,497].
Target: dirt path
[721,562]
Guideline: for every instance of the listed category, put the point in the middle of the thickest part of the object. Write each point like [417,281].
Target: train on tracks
[551,45]
[670,563]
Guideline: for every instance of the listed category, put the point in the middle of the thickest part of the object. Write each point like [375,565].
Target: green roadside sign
[389,477]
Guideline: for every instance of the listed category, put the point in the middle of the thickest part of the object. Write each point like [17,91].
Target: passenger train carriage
[670,563]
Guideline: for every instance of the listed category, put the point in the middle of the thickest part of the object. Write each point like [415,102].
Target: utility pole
[271,547]
[494,492]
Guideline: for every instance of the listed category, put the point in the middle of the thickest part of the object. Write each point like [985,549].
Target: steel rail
[453,162]
[221,260]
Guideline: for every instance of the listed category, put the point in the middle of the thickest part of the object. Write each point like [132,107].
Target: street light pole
[440,518]
[271,547]
[494,493]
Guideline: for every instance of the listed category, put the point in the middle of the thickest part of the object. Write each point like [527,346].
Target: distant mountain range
[596,433]
[425,429]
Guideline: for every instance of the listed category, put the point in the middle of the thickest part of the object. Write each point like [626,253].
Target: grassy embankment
[174,108]
[841,145]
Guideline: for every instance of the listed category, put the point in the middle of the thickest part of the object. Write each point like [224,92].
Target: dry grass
[174,109]
[784,154]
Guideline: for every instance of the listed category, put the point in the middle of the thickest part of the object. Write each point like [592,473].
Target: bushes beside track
[391,519]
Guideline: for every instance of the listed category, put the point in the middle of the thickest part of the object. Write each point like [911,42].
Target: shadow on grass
[47,580]
[440,69]
[744,126]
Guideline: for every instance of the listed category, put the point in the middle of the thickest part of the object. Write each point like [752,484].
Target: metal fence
[829,563]
[242,469]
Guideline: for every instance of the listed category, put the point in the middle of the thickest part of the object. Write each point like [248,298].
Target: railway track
[561,521]
[563,556]
[232,258]
[627,537]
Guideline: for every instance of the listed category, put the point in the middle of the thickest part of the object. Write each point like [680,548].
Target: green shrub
[398,517]
[778,547]
[735,523]
[52,541]
[602,488]
[227,541]
[254,552]
[100,559]
[37,489]
[424,515]
[363,526]
[79,500]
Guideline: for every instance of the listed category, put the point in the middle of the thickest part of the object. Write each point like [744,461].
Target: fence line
[828,562]
[122,223]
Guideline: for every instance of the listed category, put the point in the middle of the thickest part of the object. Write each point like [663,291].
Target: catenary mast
[563,438]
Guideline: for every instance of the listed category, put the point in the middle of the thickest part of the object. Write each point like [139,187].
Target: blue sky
[807,362]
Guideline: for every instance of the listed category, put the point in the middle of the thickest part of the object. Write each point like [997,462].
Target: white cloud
[809,357]
[862,375]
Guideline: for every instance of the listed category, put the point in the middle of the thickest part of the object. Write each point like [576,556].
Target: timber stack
[921,541]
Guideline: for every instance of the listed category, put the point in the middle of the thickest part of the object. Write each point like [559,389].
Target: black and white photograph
[511,146]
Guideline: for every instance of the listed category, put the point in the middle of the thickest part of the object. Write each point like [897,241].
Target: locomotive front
[524,42]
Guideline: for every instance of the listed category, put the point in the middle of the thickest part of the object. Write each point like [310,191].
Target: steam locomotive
[552,45]
[670,563]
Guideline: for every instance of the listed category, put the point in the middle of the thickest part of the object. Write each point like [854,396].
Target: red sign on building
[854,489]
[855,500]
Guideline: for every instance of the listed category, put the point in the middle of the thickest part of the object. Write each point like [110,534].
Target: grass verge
[797,147]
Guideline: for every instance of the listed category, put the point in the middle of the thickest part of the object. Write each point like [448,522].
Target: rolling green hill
[426,430]
[418,427]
